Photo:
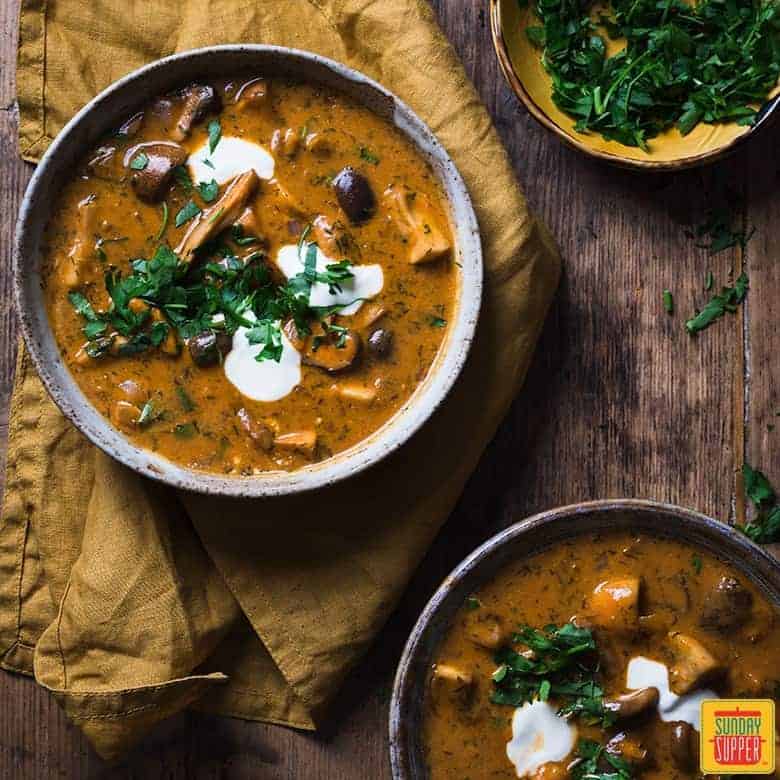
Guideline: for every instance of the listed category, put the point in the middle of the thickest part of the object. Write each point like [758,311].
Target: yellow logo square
[738,736]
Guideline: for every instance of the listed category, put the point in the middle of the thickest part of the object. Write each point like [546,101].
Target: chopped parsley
[367,155]
[696,563]
[183,179]
[472,602]
[184,399]
[668,302]
[140,161]
[765,526]
[595,762]
[208,190]
[713,61]
[148,415]
[437,322]
[719,230]
[215,133]
[727,300]
[164,223]
[562,663]
[186,213]
[218,297]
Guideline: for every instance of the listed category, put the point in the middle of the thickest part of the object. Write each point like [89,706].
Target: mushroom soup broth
[250,274]
[592,658]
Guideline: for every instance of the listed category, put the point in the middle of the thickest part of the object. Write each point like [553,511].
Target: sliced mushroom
[487,631]
[304,442]
[355,392]
[133,392]
[199,100]
[253,94]
[414,216]
[614,604]
[101,164]
[693,663]
[123,414]
[331,352]
[288,203]
[259,432]
[318,144]
[329,237]
[209,347]
[354,194]
[629,705]
[629,748]
[684,746]
[151,181]
[369,313]
[380,343]
[71,267]
[286,142]
[223,213]
[452,683]
[131,127]
[728,607]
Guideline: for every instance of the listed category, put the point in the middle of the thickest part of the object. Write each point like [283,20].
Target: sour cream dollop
[645,673]
[539,735]
[367,280]
[230,157]
[262,380]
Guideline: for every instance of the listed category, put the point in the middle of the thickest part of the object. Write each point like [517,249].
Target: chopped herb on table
[562,664]
[668,302]
[727,300]
[682,64]
[765,526]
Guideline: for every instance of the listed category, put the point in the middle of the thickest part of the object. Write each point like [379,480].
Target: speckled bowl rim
[766,116]
[545,530]
[105,112]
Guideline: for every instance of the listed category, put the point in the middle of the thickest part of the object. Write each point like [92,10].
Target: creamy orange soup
[250,274]
[643,613]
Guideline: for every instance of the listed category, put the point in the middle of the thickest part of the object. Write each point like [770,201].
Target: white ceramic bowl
[121,100]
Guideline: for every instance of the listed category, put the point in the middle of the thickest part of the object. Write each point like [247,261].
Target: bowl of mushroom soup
[582,641]
[253,283]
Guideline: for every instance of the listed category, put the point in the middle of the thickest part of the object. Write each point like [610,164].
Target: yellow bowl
[522,67]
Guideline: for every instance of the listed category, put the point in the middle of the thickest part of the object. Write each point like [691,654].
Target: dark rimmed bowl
[528,538]
[106,112]
[522,68]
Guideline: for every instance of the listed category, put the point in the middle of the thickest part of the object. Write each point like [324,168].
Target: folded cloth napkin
[130,601]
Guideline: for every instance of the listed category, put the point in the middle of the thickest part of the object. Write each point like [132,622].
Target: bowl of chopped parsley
[649,84]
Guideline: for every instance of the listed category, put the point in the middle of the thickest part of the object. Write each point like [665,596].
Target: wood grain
[620,401]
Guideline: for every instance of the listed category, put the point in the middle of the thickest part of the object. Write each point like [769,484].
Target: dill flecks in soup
[250,274]
[590,660]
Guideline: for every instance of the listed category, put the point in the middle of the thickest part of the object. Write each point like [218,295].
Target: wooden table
[620,401]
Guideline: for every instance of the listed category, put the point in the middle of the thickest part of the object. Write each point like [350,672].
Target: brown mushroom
[693,663]
[330,351]
[380,343]
[629,705]
[329,236]
[450,682]
[70,267]
[209,347]
[131,127]
[629,748]
[286,143]
[614,604]
[223,213]
[728,607]
[133,392]
[684,746]
[354,194]
[487,631]
[151,181]
[304,442]
[101,164]
[253,94]
[416,221]
[199,100]
[123,414]
[261,434]
[352,391]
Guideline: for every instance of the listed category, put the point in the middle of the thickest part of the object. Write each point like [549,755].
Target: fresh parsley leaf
[187,212]
[472,602]
[720,228]
[237,234]
[148,415]
[594,762]
[696,563]
[184,399]
[140,161]
[164,222]
[764,528]
[208,190]
[438,322]
[185,430]
[668,302]
[757,487]
[183,179]
[268,335]
[709,281]
[82,306]
[367,155]
[726,301]
[215,133]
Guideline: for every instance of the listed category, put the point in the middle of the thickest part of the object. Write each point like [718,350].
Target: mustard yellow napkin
[130,601]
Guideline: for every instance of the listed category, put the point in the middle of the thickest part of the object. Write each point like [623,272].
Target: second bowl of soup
[259,281]
[581,643]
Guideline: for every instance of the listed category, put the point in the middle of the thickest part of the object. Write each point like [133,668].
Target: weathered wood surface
[620,401]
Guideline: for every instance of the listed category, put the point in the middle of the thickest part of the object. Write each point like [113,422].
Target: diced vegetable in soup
[590,660]
[250,274]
